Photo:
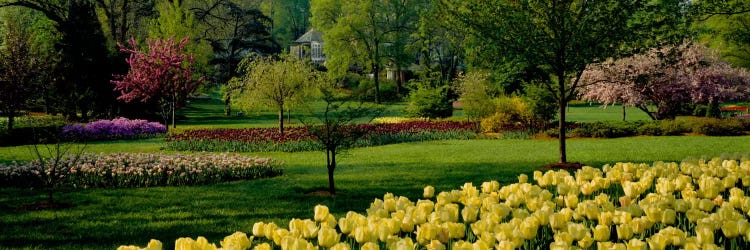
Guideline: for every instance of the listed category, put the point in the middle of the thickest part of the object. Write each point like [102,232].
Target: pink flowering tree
[661,80]
[161,74]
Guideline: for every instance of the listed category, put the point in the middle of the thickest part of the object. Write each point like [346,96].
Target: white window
[316,52]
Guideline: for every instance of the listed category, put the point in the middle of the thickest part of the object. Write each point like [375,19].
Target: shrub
[142,170]
[510,113]
[118,128]
[366,90]
[673,127]
[606,129]
[651,128]
[428,101]
[719,127]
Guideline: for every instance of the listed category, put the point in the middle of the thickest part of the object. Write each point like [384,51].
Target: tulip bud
[624,232]
[601,233]
[370,246]
[657,241]
[469,214]
[321,213]
[636,244]
[328,237]
[435,245]
[429,192]
[258,229]
[263,246]
[237,240]
[731,229]
[341,246]
[154,245]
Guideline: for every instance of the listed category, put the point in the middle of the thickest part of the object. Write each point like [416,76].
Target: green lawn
[106,218]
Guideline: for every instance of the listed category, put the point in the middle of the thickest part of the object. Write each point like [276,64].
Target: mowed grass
[107,218]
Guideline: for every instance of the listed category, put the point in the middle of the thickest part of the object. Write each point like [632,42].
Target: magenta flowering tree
[161,74]
[665,78]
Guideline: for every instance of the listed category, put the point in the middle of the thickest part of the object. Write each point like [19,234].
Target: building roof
[311,36]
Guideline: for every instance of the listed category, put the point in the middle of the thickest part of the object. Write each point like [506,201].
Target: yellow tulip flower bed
[688,205]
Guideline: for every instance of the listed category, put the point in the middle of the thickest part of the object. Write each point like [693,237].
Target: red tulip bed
[298,139]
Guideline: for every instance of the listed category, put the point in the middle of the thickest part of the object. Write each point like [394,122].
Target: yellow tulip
[403,244]
[370,246]
[731,229]
[624,232]
[237,240]
[435,245]
[363,234]
[704,234]
[429,192]
[577,231]
[606,218]
[279,235]
[154,245]
[258,229]
[269,230]
[131,247]
[523,178]
[657,242]
[558,220]
[469,214]
[328,237]
[490,186]
[262,246]
[455,230]
[184,244]
[636,244]
[341,246]
[601,233]
[462,245]
[563,236]
[669,217]
[321,213]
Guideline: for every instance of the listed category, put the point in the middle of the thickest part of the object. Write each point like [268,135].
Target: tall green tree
[274,84]
[725,25]
[360,32]
[561,36]
[291,19]
[81,77]
[176,21]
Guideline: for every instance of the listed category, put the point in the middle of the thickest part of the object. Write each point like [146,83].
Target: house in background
[309,45]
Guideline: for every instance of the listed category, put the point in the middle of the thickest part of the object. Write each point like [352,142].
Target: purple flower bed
[118,128]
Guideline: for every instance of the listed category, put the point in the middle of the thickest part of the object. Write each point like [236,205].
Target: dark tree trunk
[331,158]
[562,102]
[281,120]
[623,112]
[376,78]
[11,120]
[228,106]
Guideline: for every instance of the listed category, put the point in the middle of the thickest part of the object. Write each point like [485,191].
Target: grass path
[106,218]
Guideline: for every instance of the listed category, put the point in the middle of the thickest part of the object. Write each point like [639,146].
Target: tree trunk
[172,109]
[331,158]
[562,102]
[281,120]
[11,120]
[623,112]
[376,78]
[228,105]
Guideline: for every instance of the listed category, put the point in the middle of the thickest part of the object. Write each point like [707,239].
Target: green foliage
[177,21]
[509,113]
[606,129]
[273,84]
[541,103]
[428,100]
[365,91]
[718,127]
[476,94]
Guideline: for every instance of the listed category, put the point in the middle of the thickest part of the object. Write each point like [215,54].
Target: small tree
[336,128]
[665,78]
[476,94]
[269,83]
[20,70]
[161,74]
